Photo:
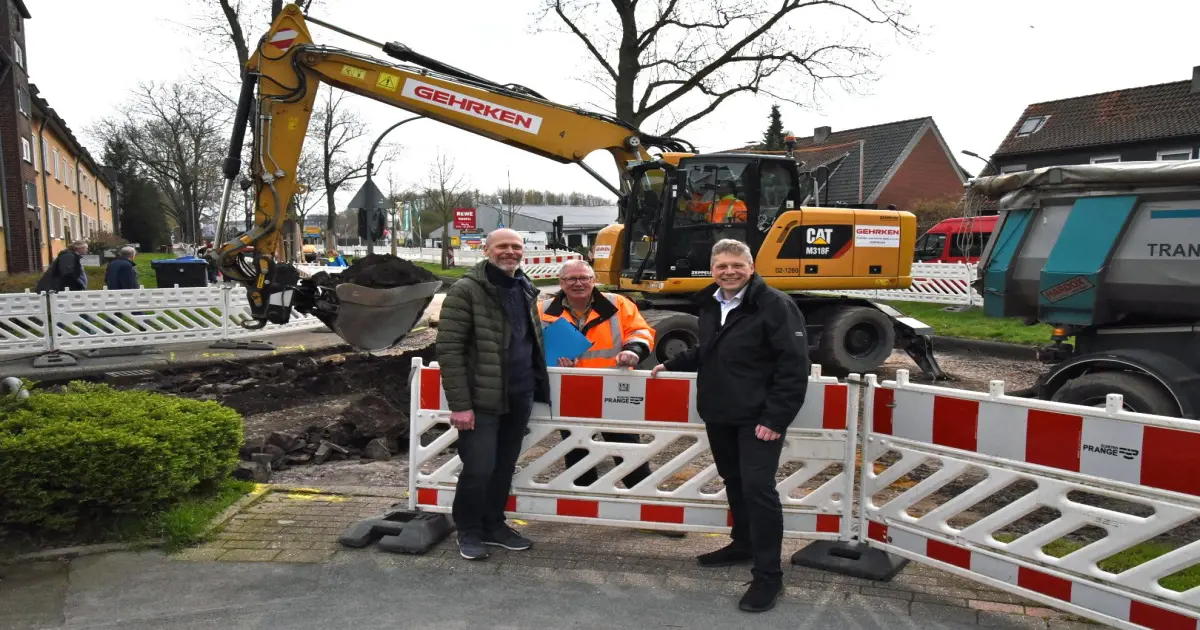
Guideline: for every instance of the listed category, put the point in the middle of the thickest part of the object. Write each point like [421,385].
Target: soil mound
[377,271]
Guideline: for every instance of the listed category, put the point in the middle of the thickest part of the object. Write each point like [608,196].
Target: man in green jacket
[489,347]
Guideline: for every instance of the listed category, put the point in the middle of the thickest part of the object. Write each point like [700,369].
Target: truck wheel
[673,333]
[854,339]
[1142,394]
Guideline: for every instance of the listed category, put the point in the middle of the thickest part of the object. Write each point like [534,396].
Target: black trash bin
[186,271]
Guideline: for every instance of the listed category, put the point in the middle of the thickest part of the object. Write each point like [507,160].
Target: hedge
[92,452]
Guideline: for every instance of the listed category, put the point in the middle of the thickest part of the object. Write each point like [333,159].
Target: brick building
[74,193]
[18,217]
[894,163]
[51,190]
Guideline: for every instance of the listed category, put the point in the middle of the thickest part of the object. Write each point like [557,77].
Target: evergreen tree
[142,218]
[773,138]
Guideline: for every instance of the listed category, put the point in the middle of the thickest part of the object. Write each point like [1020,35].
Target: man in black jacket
[120,274]
[66,272]
[752,373]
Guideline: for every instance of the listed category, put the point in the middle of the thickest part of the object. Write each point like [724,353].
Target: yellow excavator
[674,204]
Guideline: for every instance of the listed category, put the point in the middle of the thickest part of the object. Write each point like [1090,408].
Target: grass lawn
[973,324]
[1179,581]
[178,526]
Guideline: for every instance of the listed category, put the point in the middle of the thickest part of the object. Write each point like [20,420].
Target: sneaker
[762,595]
[470,546]
[508,538]
[725,557]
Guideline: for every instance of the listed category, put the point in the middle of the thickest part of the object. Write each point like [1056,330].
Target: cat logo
[819,236]
[622,387]
[818,241]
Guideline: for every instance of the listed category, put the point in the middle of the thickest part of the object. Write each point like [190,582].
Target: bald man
[489,346]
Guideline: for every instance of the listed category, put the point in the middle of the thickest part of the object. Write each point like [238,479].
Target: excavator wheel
[854,339]
[674,332]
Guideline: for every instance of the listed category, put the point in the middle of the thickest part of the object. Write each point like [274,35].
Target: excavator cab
[711,197]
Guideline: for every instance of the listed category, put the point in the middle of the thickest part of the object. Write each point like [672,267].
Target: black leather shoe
[762,595]
[725,557]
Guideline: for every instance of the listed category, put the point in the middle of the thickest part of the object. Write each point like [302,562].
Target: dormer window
[1032,125]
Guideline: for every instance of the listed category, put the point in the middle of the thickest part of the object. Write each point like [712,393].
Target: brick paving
[302,526]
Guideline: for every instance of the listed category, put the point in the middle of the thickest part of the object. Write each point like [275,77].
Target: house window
[45,152]
[1171,155]
[1032,125]
[57,167]
[1013,168]
[1106,159]
[31,195]
[23,101]
[18,54]
[26,151]
[51,213]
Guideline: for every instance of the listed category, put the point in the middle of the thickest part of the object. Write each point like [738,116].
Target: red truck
[960,239]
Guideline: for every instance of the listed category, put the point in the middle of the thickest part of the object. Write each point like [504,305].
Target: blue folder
[563,340]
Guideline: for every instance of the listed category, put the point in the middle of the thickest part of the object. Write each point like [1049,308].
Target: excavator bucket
[377,319]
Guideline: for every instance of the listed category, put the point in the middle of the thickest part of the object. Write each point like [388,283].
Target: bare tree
[445,190]
[338,128]
[176,133]
[511,202]
[672,62]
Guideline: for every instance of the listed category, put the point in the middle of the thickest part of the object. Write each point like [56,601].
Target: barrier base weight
[127,351]
[398,530]
[853,559]
[54,359]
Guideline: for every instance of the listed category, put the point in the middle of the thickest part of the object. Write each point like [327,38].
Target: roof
[41,107]
[880,147]
[540,218]
[22,10]
[1167,110]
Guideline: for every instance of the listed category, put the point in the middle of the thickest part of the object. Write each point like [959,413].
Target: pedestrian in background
[489,347]
[120,274]
[752,374]
[66,272]
[335,259]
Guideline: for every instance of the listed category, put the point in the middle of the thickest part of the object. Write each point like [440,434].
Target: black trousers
[748,465]
[588,478]
[489,454]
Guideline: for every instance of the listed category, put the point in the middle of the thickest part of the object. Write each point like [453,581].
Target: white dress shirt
[731,303]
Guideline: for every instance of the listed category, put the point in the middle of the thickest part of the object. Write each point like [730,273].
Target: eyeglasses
[578,279]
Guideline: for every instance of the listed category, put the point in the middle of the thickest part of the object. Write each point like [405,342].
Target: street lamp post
[985,160]
[370,169]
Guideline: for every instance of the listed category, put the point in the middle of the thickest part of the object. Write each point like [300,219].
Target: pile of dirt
[378,271]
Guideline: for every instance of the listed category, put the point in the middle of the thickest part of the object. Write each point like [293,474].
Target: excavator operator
[728,209]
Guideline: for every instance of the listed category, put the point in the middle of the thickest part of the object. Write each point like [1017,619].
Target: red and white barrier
[991,441]
[682,493]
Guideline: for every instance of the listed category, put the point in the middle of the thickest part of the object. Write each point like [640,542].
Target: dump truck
[1109,256]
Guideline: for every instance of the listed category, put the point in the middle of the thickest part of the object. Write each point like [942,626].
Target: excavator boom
[279,91]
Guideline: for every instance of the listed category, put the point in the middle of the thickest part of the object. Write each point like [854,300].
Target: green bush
[92,452]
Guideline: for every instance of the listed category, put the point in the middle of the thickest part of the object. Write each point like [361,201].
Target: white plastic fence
[937,283]
[81,320]
[948,478]
[681,494]
[1128,477]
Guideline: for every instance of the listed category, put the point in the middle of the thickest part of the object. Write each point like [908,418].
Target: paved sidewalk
[302,526]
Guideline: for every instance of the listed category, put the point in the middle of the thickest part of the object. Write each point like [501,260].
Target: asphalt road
[144,590]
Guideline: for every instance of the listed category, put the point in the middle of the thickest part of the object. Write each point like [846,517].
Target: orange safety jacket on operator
[614,324]
[728,209]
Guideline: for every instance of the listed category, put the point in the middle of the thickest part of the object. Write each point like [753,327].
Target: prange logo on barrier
[1112,450]
[624,400]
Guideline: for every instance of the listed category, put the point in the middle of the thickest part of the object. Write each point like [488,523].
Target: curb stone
[992,348]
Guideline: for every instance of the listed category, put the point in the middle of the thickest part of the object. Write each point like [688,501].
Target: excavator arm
[276,102]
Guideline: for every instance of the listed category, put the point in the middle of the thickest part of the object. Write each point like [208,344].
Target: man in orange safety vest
[619,334]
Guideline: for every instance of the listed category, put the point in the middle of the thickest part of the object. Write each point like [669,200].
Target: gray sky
[974,68]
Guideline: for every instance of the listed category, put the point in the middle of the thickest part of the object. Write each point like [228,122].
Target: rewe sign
[464,219]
